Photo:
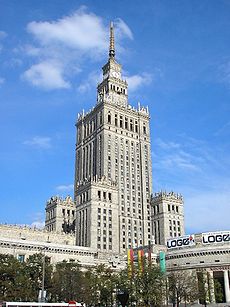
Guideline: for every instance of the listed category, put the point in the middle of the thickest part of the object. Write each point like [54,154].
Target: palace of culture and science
[113,173]
[114,208]
[113,182]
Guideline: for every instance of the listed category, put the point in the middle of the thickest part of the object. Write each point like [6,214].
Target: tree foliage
[95,286]
[182,286]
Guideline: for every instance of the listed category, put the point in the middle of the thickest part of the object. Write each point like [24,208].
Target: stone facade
[212,260]
[167,216]
[113,179]
[25,233]
[60,215]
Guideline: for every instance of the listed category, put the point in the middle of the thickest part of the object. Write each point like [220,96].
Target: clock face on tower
[115,74]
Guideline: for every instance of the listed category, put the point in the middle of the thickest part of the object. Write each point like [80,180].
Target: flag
[130,262]
[141,260]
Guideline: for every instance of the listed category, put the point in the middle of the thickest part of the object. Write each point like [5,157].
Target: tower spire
[111,42]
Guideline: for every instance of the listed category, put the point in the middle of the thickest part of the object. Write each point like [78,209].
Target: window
[126,123]
[99,194]
[131,124]
[109,118]
[110,196]
[121,122]
[115,119]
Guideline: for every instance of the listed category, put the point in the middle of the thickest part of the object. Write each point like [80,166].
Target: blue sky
[176,58]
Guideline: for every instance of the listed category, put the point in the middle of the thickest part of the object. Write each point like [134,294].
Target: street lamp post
[42,292]
[43,277]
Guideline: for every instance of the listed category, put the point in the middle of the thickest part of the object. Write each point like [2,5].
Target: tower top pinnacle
[111,42]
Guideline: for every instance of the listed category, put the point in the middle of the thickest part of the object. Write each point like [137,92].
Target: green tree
[145,287]
[34,274]
[67,282]
[104,280]
[182,286]
[219,294]
[14,284]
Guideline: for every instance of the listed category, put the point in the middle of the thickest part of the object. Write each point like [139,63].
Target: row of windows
[198,254]
[83,228]
[50,227]
[50,214]
[125,123]
[104,195]
[84,197]
[68,212]
[173,208]
[99,246]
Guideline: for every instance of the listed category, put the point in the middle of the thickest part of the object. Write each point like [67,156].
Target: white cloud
[3,34]
[61,47]
[65,188]
[38,224]
[2,80]
[225,129]
[47,75]
[81,30]
[188,157]
[122,29]
[135,81]
[207,210]
[189,166]
[167,145]
[39,142]
[93,78]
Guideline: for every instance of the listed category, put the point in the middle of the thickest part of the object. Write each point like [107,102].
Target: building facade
[113,179]
[207,254]
[167,216]
[60,215]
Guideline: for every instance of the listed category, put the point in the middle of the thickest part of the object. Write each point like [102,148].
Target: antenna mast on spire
[111,42]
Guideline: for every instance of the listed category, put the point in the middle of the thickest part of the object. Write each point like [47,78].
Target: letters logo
[184,241]
[216,237]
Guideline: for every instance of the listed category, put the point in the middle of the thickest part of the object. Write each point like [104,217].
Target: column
[226,286]
[211,287]
[205,281]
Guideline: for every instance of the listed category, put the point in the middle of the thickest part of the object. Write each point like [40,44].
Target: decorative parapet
[57,200]
[141,110]
[102,181]
[163,195]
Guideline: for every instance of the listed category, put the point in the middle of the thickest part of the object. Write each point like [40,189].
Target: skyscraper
[113,173]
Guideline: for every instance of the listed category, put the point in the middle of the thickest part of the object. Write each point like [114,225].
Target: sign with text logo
[216,237]
[184,241]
